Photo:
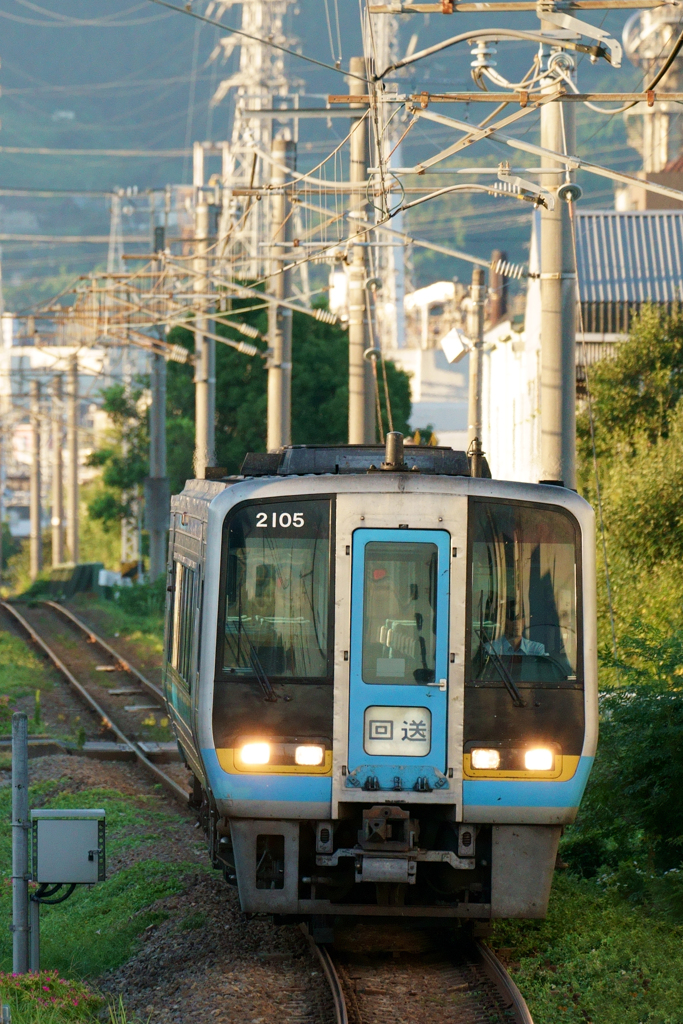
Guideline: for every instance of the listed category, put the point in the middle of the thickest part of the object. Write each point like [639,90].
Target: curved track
[96,697]
[464,984]
[446,983]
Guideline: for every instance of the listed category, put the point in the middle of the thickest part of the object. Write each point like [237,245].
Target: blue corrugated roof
[630,257]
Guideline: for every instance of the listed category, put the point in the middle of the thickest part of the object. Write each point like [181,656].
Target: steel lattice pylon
[260,79]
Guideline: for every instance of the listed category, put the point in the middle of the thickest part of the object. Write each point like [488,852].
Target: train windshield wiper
[259,671]
[500,668]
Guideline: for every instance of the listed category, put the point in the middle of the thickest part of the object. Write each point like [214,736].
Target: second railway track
[85,660]
[440,983]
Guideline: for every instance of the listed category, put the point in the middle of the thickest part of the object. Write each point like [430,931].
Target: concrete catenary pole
[279,318]
[157,498]
[57,474]
[36,537]
[558,309]
[361,397]
[20,825]
[72,446]
[204,347]
[475,331]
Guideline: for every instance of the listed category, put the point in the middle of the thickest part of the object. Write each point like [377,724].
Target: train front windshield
[523,599]
[278,591]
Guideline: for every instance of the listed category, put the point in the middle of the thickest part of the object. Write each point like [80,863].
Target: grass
[99,928]
[145,628]
[21,669]
[596,959]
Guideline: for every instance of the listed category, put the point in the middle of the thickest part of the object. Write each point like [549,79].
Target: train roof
[318,459]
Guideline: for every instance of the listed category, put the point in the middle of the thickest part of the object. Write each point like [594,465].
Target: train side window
[183,620]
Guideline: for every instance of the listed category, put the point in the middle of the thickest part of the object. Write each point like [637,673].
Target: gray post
[72,445]
[36,538]
[20,826]
[156,487]
[475,331]
[2,499]
[57,474]
[34,943]
[204,347]
[279,318]
[361,383]
[558,312]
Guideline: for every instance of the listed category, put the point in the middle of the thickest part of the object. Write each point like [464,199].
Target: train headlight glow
[483,758]
[255,753]
[309,754]
[539,760]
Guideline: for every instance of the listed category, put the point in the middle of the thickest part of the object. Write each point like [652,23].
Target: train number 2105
[283,519]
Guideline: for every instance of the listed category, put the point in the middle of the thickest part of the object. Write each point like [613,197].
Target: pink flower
[46,988]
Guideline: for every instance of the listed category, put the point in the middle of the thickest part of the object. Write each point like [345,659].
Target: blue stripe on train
[527,792]
[304,788]
[476,792]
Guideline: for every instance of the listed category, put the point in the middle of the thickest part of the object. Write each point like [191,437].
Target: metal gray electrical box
[68,846]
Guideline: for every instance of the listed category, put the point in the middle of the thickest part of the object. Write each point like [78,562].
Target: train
[381,671]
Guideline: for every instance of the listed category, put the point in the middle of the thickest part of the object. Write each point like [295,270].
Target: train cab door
[398,699]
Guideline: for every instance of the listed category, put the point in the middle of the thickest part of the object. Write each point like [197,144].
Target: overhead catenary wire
[258,39]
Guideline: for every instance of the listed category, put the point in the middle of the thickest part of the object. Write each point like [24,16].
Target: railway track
[443,982]
[77,656]
[451,984]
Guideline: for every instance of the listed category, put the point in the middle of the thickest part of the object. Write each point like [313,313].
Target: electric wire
[258,39]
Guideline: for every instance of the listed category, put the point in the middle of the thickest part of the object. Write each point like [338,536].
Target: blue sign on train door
[399,660]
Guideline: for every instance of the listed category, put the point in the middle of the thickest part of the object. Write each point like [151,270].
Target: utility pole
[36,539]
[156,485]
[72,445]
[361,397]
[204,347]
[2,500]
[280,318]
[157,498]
[57,475]
[558,305]
[20,827]
[475,331]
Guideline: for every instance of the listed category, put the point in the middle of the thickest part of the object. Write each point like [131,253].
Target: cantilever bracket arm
[573,163]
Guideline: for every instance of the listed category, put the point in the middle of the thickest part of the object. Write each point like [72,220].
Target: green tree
[124,459]
[634,394]
[319,390]
[638,420]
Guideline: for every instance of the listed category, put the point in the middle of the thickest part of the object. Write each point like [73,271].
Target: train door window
[523,598]
[183,620]
[277,591]
[399,612]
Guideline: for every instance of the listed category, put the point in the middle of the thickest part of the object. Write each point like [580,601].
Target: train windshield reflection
[523,596]
[277,591]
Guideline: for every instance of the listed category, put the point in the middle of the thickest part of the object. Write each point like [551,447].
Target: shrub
[143,598]
[65,1000]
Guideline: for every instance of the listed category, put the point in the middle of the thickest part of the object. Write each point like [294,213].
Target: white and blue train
[382,674]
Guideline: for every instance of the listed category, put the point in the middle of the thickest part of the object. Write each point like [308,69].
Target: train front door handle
[442,684]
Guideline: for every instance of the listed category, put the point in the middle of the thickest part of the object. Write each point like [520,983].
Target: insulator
[247,329]
[482,54]
[249,350]
[325,316]
[178,354]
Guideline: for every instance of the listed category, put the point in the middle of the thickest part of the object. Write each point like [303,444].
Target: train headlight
[310,753]
[255,753]
[540,759]
[485,758]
